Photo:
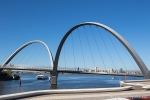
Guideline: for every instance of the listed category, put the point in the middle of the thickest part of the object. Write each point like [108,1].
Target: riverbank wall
[6,78]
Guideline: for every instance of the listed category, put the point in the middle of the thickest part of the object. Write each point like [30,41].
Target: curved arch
[23,46]
[133,53]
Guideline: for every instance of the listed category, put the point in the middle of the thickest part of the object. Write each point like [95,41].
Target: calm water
[65,81]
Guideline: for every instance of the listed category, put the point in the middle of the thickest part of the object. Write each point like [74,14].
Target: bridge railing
[38,67]
[73,69]
[129,72]
[27,67]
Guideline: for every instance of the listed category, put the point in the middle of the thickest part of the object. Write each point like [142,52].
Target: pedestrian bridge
[80,29]
[68,70]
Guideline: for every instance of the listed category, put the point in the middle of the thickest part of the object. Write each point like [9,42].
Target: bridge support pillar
[53,78]
[148,74]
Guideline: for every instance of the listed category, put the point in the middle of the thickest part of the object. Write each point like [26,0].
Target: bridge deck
[71,71]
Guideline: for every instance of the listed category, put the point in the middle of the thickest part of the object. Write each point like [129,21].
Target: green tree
[7,73]
[16,76]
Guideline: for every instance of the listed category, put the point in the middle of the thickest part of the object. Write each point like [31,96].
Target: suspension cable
[44,65]
[22,54]
[89,47]
[37,56]
[98,48]
[64,56]
[129,58]
[81,48]
[116,51]
[73,51]
[25,55]
[106,48]
[31,55]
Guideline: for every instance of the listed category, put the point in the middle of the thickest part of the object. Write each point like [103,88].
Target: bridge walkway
[62,70]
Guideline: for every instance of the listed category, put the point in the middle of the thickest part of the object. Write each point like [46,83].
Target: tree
[9,72]
[6,73]
[16,76]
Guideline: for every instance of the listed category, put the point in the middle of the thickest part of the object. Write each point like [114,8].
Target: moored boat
[42,77]
[113,77]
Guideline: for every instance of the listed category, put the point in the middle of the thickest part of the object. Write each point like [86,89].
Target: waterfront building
[110,71]
[96,69]
[90,70]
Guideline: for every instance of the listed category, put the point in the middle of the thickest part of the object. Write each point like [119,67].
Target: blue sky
[25,20]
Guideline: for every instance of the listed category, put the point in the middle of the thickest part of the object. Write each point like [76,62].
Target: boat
[113,77]
[42,77]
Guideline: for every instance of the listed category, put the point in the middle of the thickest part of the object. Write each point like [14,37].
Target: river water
[65,81]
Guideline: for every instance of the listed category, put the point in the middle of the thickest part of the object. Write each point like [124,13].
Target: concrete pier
[91,96]
[132,88]
[53,80]
[66,92]
[137,84]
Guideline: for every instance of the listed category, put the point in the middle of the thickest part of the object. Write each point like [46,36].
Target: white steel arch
[25,45]
[133,53]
